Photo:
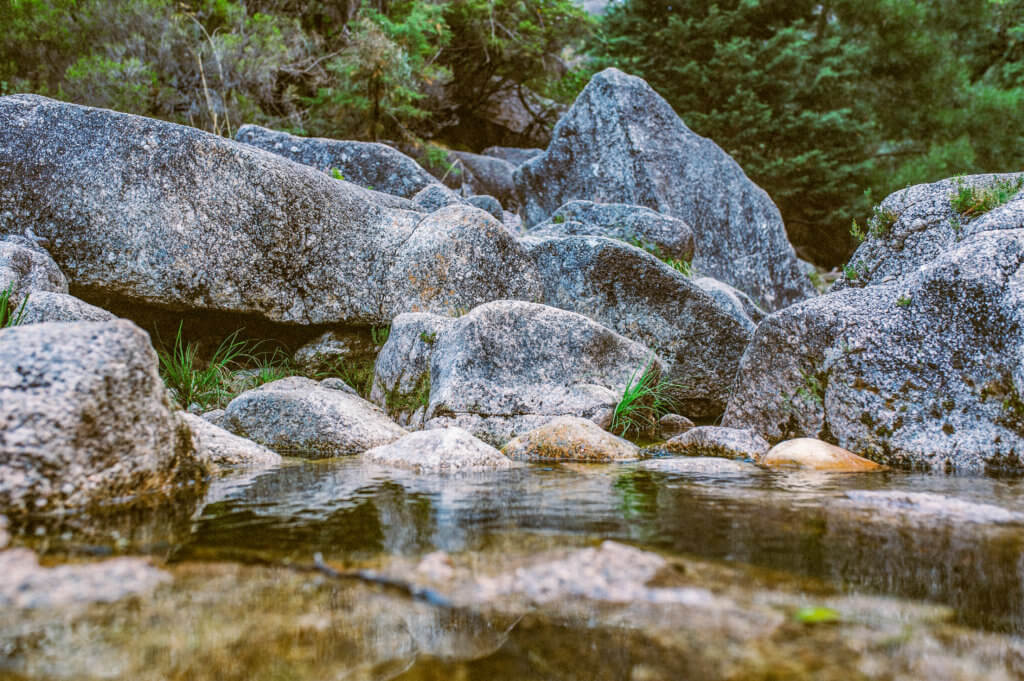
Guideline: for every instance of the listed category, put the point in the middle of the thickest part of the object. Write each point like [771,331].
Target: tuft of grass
[684,267]
[428,338]
[644,401]
[971,201]
[881,221]
[337,174]
[397,403]
[379,335]
[558,219]
[192,381]
[356,372]
[11,313]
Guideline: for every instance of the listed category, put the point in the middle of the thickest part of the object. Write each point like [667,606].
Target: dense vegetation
[828,105]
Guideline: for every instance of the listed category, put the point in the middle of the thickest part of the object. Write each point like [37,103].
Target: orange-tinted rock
[807,452]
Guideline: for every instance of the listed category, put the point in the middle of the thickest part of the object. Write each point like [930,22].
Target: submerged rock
[367,164]
[299,417]
[508,367]
[569,438]
[85,418]
[637,295]
[807,452]
[919,368]
[730,443]
[932,506]
[26,585]
[622,143]
[217,447]
[445,450]
[640,226]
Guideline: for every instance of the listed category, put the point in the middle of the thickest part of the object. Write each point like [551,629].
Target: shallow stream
[757,575]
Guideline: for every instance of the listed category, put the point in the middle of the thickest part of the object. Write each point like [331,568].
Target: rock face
[517,156]
[489,175]
[218,448]
[637,295]
[807,452]
[332,347]
[26,268]
[299,417]
[446,450]
[435,196]
[84,417]
[730,443]
[922,367]
[367,164]
[640,226]
[457,258]
[506,368]
[735,302]
[622,143]
[570,438]
[157,213]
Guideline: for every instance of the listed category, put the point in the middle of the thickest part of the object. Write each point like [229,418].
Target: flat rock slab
[26,585]
[445,450]
[300,417]
[570,438]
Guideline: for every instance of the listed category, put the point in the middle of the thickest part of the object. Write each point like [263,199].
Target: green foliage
[379,335]
[813,389]
[904,301]
[357,372]
[428,338]
[558,219]
[644,401]
[684,267]
[971,201]
[193,381]
[403,403]
[336,174]
[817,615]
[11,313]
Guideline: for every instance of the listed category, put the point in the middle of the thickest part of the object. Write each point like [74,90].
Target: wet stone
[807,452]
[570,438]
[731,443]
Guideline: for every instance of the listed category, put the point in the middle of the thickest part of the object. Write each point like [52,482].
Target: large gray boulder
[299,417]
[151,212]
[735,302]
[664,235]
[622,143]
[922,367]
[489,175]
[642,298]
[508,367]
[457,258]
[85,418]
[367,164]
[46,306]
[27,268]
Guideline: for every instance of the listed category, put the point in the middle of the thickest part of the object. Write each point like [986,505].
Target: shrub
[970,201]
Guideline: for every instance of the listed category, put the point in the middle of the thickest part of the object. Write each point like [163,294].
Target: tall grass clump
[644,401]
[11,314]
[193,381]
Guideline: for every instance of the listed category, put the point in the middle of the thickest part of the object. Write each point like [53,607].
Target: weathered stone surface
[700,465]
[445,450]
[918,224]
[489,175]
[636,224]
[932,506]
[335,383]
[367,164]
[45,306]
[637,295]
[488,204]
[735,302]
[517,156]
[671,425]
[922,369]
[214,416]
[401,375]
[434,197]
[332,347]
[518,363]
[26,585]
[218,448]
[157,213]
[27,268]
[810,453]
[730,443]
[299,417]
[569,438]
[622,143]
[84,417]
[457,258]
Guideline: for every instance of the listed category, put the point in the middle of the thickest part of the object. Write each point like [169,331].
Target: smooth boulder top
[570,438]
[716,441]
[920,369]
[367,164]
[26,268]
[85,418]
[219,448]
[622,143]
[156,213]
[445,450]
[814,454]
